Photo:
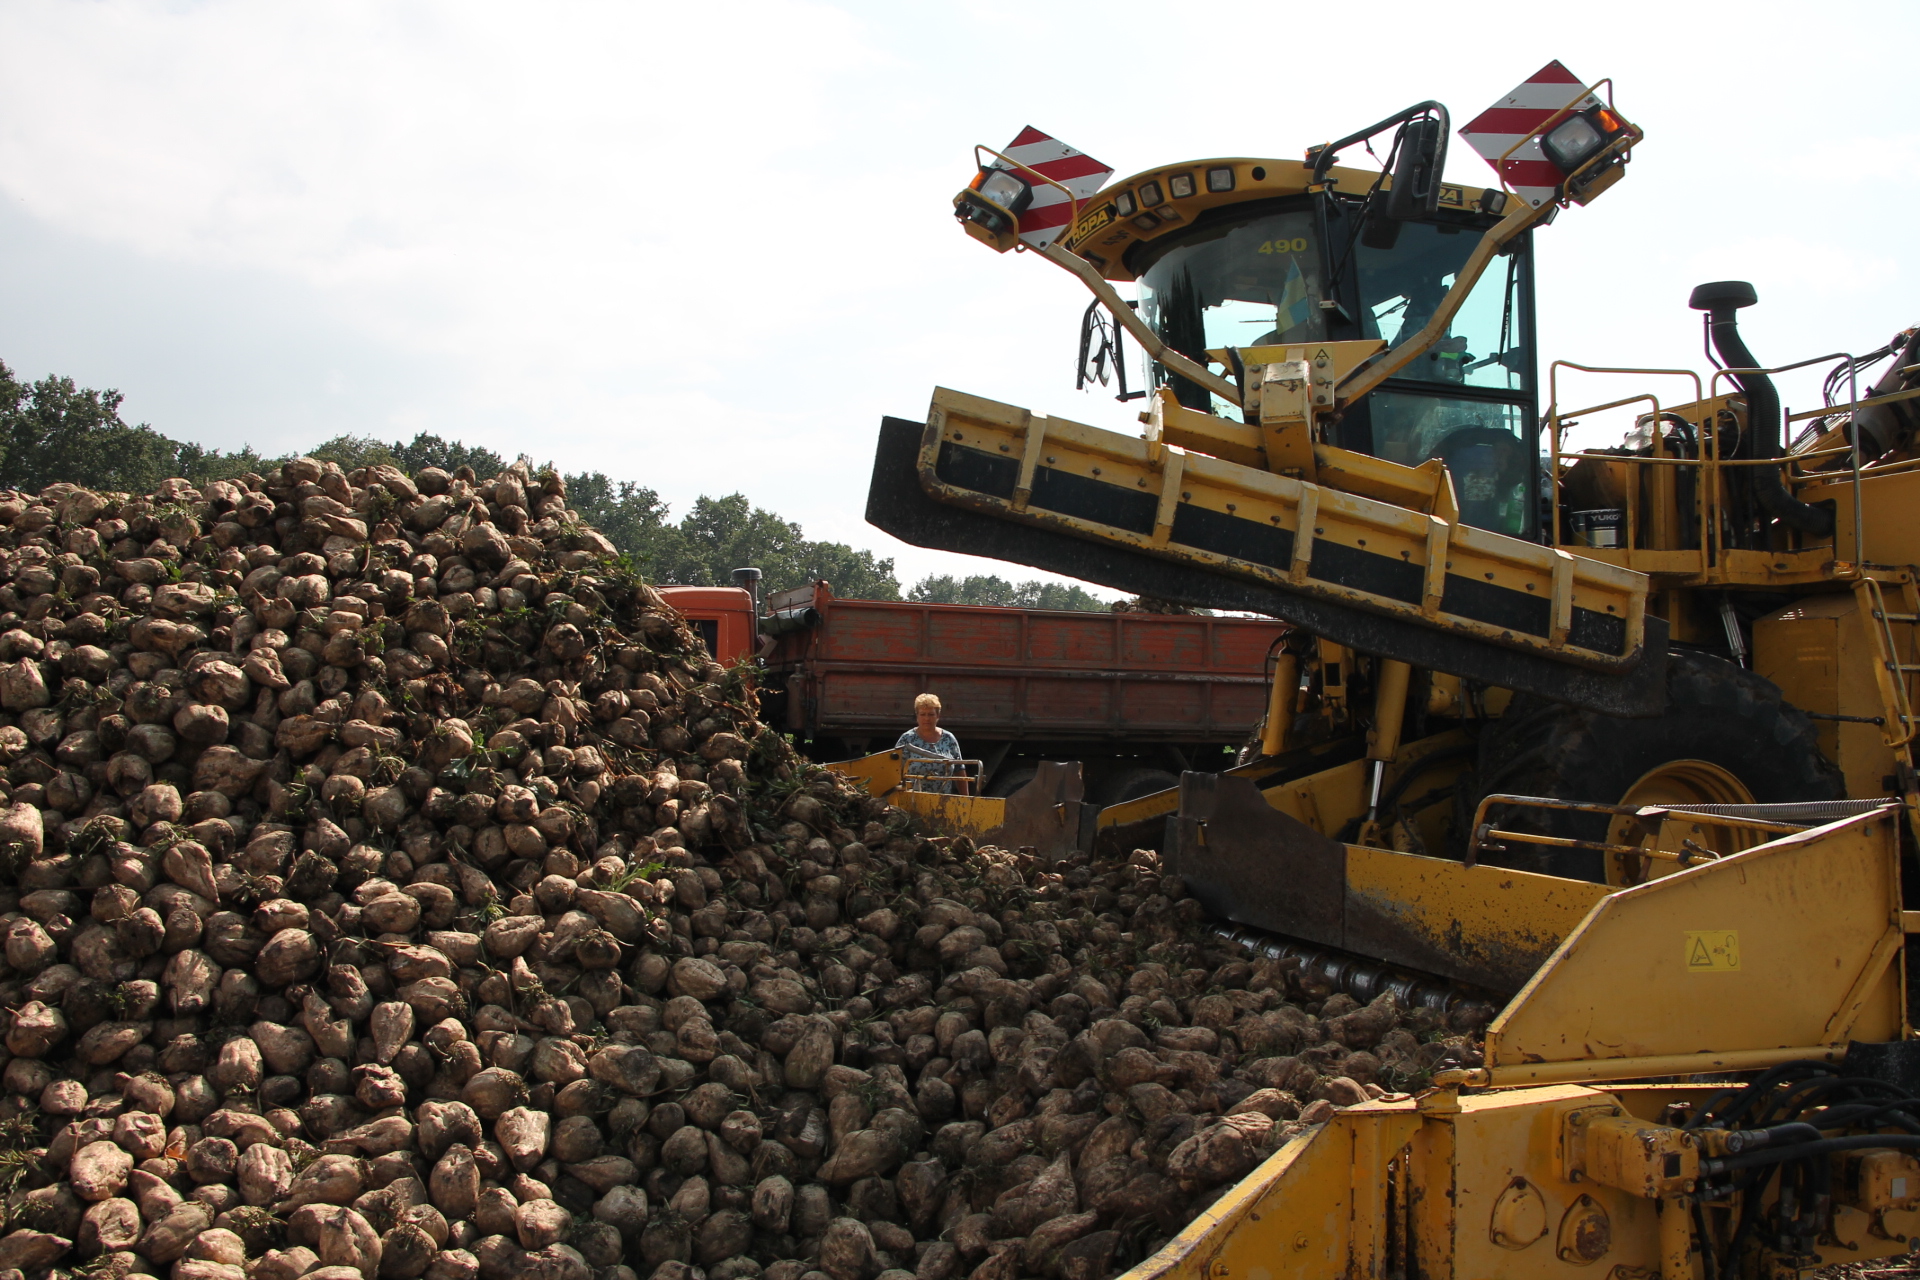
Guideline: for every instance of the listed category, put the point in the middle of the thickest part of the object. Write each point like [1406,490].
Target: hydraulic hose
[1801,1151]
[1720,300]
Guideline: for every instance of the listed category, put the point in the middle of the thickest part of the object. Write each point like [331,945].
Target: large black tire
[1716,712]
[1011,777]
[1134,783]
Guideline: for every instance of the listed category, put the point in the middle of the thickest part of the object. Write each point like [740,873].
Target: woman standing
[928,747]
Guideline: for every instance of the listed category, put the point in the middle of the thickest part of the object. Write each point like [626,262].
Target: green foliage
[52,430]
[719,535]
[986,589]
[349,451]
[449,455]
[201,465]
[632,517]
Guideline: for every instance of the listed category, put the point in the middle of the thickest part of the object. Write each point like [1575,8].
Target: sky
[708,248]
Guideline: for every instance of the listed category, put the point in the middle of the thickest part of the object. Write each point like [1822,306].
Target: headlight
[1007,189]
[1576,140]
[1572,142]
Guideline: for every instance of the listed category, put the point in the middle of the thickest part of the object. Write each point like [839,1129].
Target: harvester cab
[1342,427]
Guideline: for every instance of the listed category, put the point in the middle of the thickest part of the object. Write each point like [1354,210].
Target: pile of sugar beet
[392,886]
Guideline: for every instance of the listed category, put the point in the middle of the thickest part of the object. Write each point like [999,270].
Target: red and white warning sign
[1493,132]
[1051,207]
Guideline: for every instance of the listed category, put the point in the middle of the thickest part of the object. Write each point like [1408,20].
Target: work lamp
[1580,137]
[990,206]
[1005,188]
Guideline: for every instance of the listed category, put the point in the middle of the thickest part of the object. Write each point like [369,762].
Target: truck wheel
[1726,737]
[1134,783]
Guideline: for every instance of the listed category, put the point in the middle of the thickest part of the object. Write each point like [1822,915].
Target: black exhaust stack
[1720,300]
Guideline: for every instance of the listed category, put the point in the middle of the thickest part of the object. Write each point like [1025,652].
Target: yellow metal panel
[955,815]
[1482,914]
[1891,509]
[1304,1213]
[1819,654]
[1101,234]
[1325,801]
[1500,1139]
[882,773]
[1811,913]
[1474,1187]
[1363,529]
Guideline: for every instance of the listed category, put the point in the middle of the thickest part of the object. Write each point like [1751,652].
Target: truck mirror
[1416,172]
[1102,352]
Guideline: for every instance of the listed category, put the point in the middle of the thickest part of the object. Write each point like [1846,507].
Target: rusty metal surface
[1252,864]
[1014,673]
[1506,929]
[1123,838]
[1247,862]
[1046,813]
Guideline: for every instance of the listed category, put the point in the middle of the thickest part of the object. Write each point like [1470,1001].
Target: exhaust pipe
[749,581]
[1720,300]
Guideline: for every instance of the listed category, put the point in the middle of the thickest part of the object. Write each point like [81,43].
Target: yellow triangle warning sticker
[1712,950]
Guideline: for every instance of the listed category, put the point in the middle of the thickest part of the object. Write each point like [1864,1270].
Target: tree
[350,452]
[448,455]
[719,535]
[633,518]
[53,430]
[987,589]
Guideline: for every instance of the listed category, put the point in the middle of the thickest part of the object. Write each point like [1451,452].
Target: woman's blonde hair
[926,702]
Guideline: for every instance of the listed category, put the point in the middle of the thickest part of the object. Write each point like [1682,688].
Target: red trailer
[1135,697]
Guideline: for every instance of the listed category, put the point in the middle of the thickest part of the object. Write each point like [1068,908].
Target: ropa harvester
[1620,736]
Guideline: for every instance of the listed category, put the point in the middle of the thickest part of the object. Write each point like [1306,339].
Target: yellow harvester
[1621,737]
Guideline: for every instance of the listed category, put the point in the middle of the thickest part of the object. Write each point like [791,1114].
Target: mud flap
[1252,864]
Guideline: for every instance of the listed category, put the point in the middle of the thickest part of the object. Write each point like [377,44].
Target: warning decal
[1712,950]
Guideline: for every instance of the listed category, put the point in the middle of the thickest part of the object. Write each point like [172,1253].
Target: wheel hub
[1677,782]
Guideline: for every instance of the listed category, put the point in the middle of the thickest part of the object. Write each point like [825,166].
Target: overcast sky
[707,248]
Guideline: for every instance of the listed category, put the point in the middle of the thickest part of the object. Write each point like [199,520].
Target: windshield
[1401,286]
[1248,282]
[1259,280]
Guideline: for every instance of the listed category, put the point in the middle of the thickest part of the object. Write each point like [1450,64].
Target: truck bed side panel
[1018,673]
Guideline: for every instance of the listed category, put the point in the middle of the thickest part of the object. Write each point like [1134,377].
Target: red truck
[1135,697]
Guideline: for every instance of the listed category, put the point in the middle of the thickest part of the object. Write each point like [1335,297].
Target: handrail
[1556,419]
[1834,410]
[1710,462]
[1853,401]
[1486,834]
[1073,201]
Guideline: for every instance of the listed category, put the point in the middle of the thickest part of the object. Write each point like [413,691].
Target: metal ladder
[1895,667]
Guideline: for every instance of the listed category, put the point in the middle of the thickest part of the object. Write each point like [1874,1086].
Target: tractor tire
[1011,778]
[1134,783]
[1727,736]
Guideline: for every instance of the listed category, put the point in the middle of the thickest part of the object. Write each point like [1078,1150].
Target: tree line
[53,430]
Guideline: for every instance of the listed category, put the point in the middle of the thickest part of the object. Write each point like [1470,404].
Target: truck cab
[723,616]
